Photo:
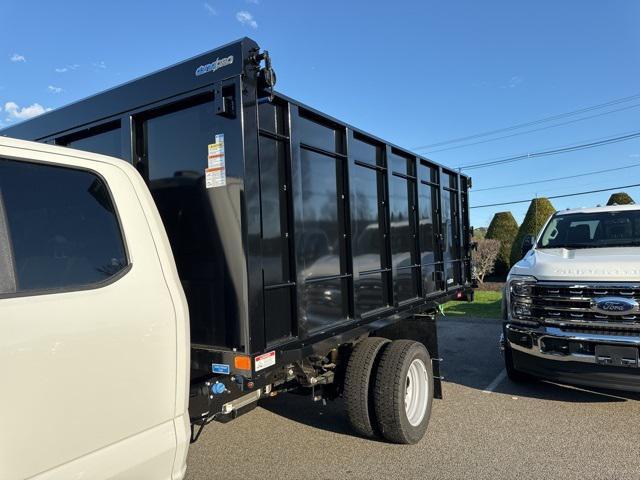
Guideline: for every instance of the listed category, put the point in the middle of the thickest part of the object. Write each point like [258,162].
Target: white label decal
[215,173]
[265,360]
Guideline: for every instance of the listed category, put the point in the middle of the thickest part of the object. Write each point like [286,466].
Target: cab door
[87,325]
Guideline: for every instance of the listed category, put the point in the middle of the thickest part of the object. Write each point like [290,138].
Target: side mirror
[527,244]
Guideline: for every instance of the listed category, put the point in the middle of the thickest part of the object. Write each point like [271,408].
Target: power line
[556,178]
[528,124]
[558,196]
[556,151]
[533,130]
[586,140]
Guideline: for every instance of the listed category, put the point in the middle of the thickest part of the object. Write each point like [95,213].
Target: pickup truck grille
[565,305]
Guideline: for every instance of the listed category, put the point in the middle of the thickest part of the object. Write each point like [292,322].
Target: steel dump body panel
[321,232]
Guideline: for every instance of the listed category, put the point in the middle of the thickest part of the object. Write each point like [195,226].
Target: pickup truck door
[87,325]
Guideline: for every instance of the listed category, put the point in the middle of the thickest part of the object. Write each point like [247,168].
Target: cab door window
[62,226]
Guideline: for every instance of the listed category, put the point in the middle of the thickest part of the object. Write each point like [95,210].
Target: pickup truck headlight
[520,292]
[521,288]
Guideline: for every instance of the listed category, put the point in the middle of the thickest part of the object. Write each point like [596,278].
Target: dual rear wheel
[388,389]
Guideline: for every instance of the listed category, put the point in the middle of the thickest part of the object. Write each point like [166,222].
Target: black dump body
[292,231]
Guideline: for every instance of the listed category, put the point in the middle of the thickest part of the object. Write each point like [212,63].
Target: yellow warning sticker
[215,173]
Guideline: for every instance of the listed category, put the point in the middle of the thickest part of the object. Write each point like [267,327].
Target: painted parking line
[496,381]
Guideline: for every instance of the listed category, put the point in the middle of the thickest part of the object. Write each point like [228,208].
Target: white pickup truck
[571,305]
[94,328]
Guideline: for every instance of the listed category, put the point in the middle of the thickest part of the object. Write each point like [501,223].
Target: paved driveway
[486,427]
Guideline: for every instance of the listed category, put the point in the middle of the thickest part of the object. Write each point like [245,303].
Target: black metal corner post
[347,138]
[126,130]
[441,231]
[461,229]
[460,226]
[253,328]
[391,274]
[423,290]
[415,207]
[438,236]
[298,215]
[355,274]
[139,155]
[468,252]
[468,249]
[290,221]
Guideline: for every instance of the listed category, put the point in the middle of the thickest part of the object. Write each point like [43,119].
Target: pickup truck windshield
[592,230]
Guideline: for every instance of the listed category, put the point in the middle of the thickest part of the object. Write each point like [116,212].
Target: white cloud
[53,89]
[100,64]
[66,68]
[209,8]
[513,82]
[255,2]
[17,113]
[246,18]
[18,58]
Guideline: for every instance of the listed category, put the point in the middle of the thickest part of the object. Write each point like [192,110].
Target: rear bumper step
[243,401]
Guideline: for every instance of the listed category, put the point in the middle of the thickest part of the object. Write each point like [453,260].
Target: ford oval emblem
[615,305]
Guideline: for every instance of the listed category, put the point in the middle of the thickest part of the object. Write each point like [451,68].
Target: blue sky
[413,72]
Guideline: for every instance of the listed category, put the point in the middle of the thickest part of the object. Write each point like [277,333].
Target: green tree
[504,228]
[620,198]
[538,213]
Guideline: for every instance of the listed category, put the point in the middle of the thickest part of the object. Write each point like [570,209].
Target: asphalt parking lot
[486,427]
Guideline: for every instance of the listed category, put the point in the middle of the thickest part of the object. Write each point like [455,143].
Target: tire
[358,385]
[513,374]
[404,365]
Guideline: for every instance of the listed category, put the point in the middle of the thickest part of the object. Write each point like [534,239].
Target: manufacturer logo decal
[215,65]
[615,305]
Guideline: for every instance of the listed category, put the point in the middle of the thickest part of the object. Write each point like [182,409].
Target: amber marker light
[242,362]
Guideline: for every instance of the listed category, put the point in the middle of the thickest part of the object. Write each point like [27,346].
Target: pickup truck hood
[588,264]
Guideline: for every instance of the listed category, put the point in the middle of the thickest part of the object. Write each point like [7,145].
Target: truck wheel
[403,393]
[513,374]
[358,385]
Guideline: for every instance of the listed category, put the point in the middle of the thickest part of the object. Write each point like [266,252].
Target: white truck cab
[94,328]
[571,305]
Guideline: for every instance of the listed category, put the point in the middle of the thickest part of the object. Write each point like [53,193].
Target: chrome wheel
[416,392]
